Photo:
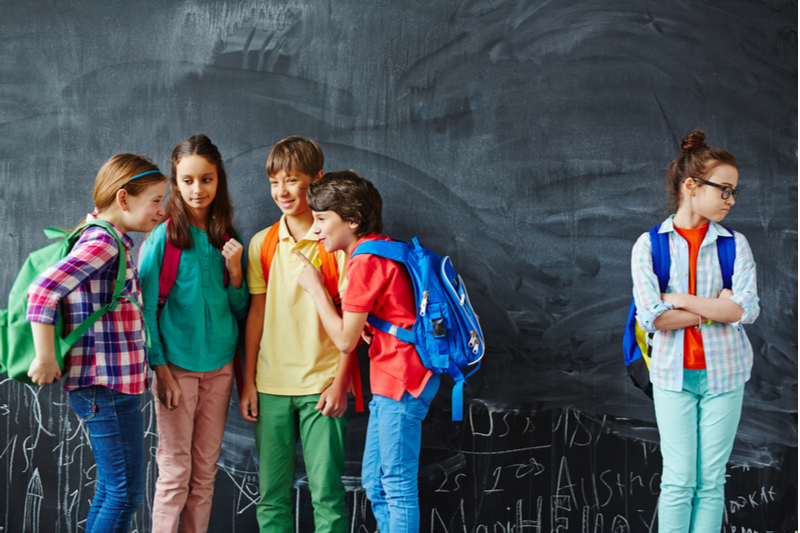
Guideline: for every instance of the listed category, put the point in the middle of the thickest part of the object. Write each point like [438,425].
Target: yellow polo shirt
[296,357]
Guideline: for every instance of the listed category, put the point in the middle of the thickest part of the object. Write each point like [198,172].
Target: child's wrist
[318,292]
[45,356]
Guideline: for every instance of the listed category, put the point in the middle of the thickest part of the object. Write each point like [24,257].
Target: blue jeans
[114,421]
[391,458]
[697,431]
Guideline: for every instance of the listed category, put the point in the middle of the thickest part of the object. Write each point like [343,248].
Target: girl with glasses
[701,356]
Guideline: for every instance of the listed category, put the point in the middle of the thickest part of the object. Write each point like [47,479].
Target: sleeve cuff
[240,291]
[154,359]
[646,319]
[43,314]
[356,308]
[748,301]
[237,299]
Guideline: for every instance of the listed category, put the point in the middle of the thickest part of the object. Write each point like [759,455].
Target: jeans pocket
[83,403]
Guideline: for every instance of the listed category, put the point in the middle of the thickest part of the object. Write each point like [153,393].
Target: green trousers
[281,421]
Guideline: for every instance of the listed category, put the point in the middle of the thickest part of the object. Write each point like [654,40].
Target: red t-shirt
[383,287]
[694,356]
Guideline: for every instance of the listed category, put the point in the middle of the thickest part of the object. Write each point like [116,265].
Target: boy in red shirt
[347,211]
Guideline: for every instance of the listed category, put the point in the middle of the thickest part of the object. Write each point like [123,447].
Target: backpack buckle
[439,331]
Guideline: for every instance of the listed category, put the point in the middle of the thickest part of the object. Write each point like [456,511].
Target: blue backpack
[637,343]
[446,333]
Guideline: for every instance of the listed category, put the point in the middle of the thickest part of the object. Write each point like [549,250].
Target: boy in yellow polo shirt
[296,380]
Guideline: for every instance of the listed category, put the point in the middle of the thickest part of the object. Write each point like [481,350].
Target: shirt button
[683,246]
[679,355]
[684,273]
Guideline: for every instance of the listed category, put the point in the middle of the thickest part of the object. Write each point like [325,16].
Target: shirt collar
[283,232]
[369,237]
[714,230]
[127,242]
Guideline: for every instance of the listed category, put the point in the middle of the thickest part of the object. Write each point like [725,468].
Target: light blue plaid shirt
[728,354]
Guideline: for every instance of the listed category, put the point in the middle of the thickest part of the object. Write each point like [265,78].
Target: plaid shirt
[729,356]
[112,353]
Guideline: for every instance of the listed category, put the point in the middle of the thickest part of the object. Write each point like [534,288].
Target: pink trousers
[189,443]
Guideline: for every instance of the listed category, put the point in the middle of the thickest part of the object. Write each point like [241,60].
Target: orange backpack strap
[268,249]
[330,271]
[356,384]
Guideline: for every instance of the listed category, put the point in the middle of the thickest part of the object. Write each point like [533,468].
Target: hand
[673,298]
[232,252]
[44,370]
[726,293]
[311,278]
[248,404]
[333,400]
[365,334]
[169,393]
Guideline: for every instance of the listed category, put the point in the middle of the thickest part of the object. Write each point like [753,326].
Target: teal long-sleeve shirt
[197,328]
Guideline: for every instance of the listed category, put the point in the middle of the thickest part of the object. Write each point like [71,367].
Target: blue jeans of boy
[114,421]
[697,431]
[391,458]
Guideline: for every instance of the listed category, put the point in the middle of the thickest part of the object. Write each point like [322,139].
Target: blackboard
[528,140]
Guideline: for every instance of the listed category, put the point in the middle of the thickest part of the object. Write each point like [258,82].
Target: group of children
[308,308]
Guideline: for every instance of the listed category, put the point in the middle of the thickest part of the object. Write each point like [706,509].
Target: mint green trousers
[697,431]
[282,420]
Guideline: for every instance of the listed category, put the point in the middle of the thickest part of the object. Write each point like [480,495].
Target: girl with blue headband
[105,370]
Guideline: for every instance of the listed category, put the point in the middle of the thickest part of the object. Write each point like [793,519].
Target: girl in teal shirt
[197,333]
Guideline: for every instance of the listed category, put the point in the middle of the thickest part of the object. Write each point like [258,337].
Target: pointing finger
[304,259]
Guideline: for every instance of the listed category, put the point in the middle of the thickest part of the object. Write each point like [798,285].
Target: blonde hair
[116,174]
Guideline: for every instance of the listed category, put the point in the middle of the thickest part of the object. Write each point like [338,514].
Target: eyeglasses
[727,191]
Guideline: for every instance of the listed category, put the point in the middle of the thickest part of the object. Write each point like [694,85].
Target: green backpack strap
[119,285]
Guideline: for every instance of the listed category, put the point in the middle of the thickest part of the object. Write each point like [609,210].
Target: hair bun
[692,141]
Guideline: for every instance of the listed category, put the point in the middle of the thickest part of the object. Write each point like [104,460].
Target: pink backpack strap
[169,272]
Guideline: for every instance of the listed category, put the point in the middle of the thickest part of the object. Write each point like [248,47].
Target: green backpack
[16,336]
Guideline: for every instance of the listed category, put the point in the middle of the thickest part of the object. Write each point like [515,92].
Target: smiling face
[706,200]
[333,232]
[197,184]
[145,210]
[288,189]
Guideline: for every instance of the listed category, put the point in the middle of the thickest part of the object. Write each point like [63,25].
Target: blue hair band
[145,174]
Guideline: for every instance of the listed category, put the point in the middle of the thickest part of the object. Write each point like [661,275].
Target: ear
[122,199]
[353,225]
[689,186]
[318,176]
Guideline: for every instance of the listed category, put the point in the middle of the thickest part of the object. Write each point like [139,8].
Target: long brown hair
[220,214]
[697,160]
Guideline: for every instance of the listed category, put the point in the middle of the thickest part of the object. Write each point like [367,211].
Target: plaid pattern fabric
[113,352]
[729,356]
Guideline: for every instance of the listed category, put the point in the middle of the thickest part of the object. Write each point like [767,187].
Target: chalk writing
[753,499]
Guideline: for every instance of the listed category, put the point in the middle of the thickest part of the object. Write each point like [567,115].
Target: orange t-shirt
[694,356]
